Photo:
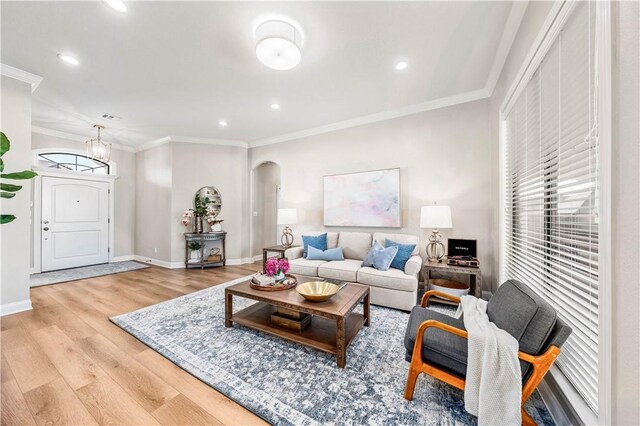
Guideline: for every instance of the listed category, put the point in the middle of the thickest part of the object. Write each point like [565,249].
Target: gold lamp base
[287,237]
[435,248]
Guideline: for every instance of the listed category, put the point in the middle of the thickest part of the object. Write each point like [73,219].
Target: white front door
[75,223]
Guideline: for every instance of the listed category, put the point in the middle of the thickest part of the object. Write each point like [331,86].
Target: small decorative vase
[195,255]
[197,225]
[217,227]
[279,276]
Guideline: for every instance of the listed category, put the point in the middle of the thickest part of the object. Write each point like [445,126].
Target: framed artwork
[369,199]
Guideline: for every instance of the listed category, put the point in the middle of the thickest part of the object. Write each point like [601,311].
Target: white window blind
[552,190]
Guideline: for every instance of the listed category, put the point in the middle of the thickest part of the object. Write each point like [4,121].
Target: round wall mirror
[211,196]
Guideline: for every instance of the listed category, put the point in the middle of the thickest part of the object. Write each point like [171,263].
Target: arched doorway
[266,199]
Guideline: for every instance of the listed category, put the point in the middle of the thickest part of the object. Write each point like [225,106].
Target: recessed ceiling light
[278,45]
[117,5]
[275,106]
[401,65]
[68,59]
[222,123]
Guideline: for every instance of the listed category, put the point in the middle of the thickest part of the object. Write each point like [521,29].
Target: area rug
[73,274]
[289,384]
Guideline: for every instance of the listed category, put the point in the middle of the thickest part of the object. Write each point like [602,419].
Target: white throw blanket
[493,387]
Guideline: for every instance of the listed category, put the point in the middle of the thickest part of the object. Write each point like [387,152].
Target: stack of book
[262,279]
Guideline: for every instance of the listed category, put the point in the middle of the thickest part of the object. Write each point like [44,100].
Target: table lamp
[287,217]
[435,217]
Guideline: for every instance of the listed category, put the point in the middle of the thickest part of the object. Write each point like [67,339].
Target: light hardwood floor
[64,362]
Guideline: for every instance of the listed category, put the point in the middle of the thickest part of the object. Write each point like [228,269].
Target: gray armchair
[436,344]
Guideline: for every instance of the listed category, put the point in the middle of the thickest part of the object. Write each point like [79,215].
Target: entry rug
[73,274]
[289,384]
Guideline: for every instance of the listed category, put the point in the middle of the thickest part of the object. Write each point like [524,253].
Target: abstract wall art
[363,199]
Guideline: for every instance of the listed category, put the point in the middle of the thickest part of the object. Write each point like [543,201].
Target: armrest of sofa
[413,265]
[294,253]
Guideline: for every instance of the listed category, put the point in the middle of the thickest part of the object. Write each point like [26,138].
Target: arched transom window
[73,162]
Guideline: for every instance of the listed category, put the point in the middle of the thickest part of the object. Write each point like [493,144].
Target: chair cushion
[399,238]
[379,257]
[392,279]
[317,241]
[356,245]
[439,348]
[523,314]
[343,270]
[303,266]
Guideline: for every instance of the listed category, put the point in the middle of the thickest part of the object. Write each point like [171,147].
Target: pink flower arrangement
[275,266]
[187,215]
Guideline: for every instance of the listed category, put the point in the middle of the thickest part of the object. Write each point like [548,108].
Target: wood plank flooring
[64,362]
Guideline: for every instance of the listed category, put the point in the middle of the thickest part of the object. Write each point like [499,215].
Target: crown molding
[154,143]
[511,27]
[20,75]
[461,98]
[207,141]
[76,138]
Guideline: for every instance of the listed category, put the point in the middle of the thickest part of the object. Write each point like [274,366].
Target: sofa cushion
[332,238]
[356,245]
[379,257]
[317,241]
[329,254]
[343,270]
[523,314]
[443,349]
[403,254]
[399,238]
[303,266]
[392,279]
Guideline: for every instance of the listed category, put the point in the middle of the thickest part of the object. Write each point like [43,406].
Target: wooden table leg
[228,309]
[341,342]
[367,311]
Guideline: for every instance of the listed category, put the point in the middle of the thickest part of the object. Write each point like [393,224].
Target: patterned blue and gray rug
[84,272]
[289,384]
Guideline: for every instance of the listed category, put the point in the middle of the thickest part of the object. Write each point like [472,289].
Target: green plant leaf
[25,174]
[5,145]
[7,194]
[1,165]
[6,218]
[9,187]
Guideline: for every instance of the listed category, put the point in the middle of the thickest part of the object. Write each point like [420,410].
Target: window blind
[552,192]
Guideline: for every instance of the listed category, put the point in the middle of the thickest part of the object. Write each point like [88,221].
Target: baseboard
[158,262]
[124,258]
[242,261]
[15,307]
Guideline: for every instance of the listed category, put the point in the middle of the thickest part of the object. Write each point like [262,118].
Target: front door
[75,223]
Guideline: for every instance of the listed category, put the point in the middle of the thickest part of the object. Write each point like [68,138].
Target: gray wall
[444,155]
[124,191]
[266,178]
[15,241]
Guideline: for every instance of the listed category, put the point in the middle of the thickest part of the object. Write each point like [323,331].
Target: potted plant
[8,190]
[195,255]
[276,268]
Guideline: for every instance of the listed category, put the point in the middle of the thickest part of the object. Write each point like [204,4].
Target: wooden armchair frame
[540,363]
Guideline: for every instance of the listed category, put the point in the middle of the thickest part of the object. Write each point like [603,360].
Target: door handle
[46,228]
[45,222]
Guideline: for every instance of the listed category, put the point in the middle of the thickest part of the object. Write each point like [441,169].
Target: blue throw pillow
[404,253]
[319,242]
[330,254]
[379,257]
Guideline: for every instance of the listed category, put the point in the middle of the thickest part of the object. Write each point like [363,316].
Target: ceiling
[178,68]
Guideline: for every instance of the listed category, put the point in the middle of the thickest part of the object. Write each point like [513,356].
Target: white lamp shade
[287,216]
[435,217]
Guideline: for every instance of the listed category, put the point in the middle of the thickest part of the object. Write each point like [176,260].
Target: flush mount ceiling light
[278,45]
[222,123]
[117,5]
[68,59]
[275,106]
[401,65]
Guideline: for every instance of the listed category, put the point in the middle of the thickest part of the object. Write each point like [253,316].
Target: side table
[475,275]
[202,238]
[273,249]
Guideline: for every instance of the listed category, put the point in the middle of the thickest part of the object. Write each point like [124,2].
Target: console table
[475,276]
[203,238]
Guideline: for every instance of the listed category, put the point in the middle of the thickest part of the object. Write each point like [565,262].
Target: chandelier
[98,150]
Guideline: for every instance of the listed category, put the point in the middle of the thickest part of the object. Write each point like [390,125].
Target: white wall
[443,155]
[266,178]
[224,167]
[124,191]
[15,116]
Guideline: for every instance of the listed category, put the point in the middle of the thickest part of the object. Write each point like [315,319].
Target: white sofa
[392,288]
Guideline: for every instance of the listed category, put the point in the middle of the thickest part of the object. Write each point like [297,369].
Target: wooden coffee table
[333,323]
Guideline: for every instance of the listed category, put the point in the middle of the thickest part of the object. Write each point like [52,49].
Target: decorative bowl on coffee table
[317,291]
